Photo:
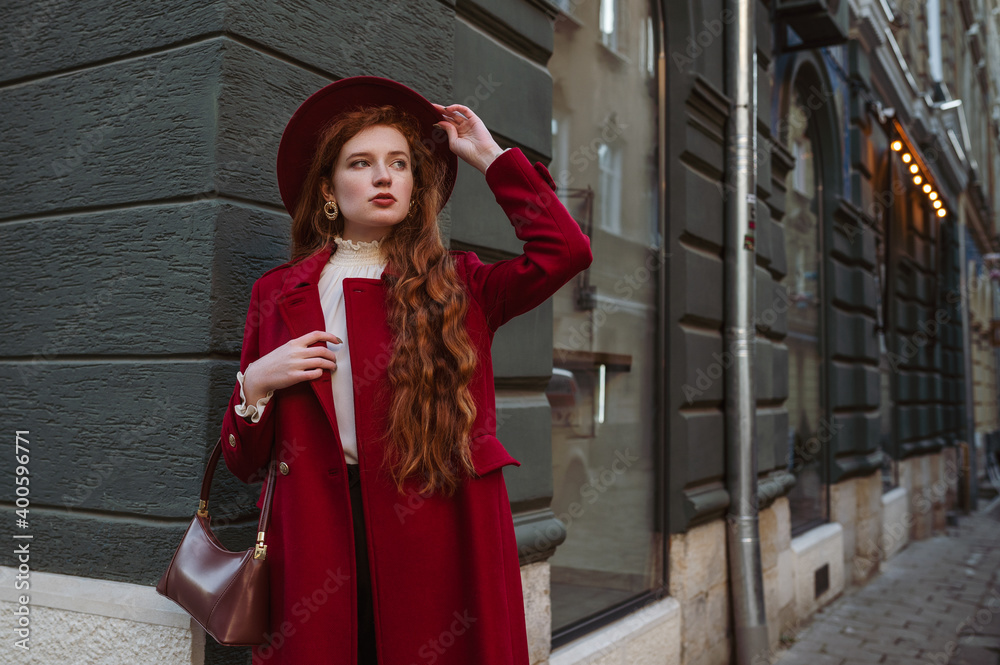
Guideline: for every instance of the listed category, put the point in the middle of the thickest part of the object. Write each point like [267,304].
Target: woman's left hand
[467,136]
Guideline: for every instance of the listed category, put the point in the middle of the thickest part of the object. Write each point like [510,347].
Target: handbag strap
[260,550]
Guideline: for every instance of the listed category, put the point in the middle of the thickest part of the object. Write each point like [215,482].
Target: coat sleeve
[555,248]
[246,445]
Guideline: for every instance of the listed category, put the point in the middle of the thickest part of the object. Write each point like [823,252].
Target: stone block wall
[778,564]
[699,575]
[856,503]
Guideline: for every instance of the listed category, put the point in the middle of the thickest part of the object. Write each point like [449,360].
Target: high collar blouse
[349,259]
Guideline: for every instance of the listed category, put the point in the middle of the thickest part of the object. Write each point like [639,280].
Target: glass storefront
[603,390]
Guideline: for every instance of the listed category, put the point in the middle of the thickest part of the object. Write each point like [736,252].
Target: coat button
[283,468]
[232,440]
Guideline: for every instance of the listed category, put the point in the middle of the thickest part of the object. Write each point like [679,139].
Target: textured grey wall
[696,226]
[696,118]
[137,162]
[138,169]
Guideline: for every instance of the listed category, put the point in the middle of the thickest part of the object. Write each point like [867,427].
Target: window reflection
[609,160]
[887,212]
[602,387]
[565,6]
[610,23]
[808,434]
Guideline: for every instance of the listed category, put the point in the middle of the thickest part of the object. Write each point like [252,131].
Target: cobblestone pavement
[937,601]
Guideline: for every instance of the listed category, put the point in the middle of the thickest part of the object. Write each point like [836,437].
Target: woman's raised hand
[294,361]
[467,136]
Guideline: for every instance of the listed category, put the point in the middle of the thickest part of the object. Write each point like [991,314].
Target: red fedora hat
[301,136]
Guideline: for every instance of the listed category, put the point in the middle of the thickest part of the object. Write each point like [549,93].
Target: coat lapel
[369,337]
[302,311]
[370,346]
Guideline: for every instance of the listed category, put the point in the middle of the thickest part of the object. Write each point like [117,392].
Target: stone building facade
[140,204]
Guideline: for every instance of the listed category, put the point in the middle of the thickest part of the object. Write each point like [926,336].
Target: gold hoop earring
[331,210]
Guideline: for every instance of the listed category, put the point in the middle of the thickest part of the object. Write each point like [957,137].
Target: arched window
[807,433]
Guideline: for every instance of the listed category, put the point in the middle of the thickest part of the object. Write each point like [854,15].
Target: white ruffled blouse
[350,259]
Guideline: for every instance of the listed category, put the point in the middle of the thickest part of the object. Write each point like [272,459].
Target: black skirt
[366,613]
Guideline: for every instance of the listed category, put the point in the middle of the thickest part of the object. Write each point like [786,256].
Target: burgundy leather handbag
[227,593]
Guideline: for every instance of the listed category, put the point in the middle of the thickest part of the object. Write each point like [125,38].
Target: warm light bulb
[942,213]
[897,145]
[907,157]
[917,180]
[927,188]
[932,196]
[937,204]
[914,168]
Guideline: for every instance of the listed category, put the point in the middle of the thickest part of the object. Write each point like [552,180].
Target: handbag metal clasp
[260,551]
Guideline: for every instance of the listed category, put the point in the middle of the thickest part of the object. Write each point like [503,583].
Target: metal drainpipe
[745,575]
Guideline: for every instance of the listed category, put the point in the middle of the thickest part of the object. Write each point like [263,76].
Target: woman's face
[372,182]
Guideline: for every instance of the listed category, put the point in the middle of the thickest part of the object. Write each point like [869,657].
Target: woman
[366,365]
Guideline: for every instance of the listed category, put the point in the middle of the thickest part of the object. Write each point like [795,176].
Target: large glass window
[891,201]
[603,390]
[807,431]
[886,403]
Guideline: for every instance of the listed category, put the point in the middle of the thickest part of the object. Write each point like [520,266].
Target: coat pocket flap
[546,176]
[488,454]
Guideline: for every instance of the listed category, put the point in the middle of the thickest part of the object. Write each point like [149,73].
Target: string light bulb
[917,180]
[942,212]
[938,204]
[927,188]
[914,168]
[907,157]
[897,145]
[933,196]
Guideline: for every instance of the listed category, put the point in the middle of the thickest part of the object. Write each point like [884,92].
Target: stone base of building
[78,619]
[895,533]
[537,610]
[649,636]
[818,568]
[856,504]
[82,620]
[699,576]
[778,564]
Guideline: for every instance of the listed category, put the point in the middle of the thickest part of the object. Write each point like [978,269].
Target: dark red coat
[445,573]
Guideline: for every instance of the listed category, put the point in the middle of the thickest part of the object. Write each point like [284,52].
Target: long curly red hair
[433,359]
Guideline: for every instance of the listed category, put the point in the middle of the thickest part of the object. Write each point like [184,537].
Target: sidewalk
[937,601]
